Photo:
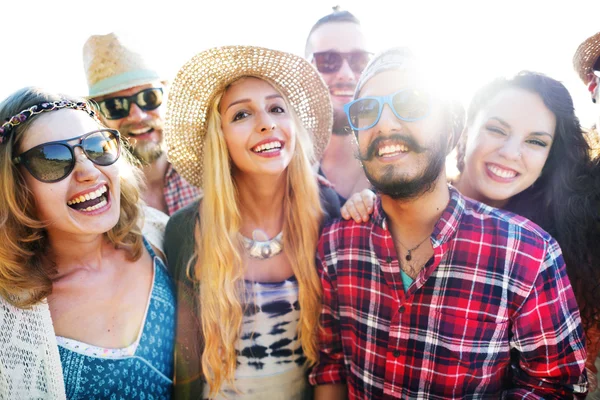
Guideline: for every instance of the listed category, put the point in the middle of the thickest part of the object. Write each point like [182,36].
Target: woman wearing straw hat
[524,151]
[245,124]
[87,308]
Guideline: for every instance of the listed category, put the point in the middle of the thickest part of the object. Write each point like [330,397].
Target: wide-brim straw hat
[207,74]
[115,62]
[586,56]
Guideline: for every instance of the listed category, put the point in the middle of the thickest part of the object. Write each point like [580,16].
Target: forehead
[58,125]
[338,36]
[130,91]
[518,107]
[391,81]
[248,87]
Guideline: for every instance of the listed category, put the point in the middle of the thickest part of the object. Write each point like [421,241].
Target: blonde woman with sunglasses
[71,245]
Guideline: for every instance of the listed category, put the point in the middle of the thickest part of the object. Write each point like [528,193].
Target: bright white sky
[469,41]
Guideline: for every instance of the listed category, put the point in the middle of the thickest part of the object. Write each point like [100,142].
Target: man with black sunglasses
[337,47]
[130,94]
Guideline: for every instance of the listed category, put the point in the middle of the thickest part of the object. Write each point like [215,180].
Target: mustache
[409,141]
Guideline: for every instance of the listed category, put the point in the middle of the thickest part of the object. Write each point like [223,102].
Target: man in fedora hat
[586,62]
[437,296]
[337,47]
[130,97]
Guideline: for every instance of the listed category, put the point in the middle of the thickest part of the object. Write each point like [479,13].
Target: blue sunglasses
[407,105]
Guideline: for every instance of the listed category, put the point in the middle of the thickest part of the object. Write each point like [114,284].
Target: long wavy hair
[25,269]
[564,200]
[219,270]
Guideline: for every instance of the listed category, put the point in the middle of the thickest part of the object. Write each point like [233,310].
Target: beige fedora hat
[586,56]
[208,73]
[112,64]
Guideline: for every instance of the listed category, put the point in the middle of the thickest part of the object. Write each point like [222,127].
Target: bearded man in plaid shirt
[437,296]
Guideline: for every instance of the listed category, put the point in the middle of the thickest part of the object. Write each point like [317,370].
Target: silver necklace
[263,250]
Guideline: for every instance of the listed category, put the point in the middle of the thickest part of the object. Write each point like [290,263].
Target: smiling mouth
[342,92]
[269,147]
[501,172]
[139,132]
[391,150]
[90,201]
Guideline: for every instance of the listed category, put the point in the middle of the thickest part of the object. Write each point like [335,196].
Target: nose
[266,123]
[345,74]
[388,122]
[511,150]
[85,170]
[136,114]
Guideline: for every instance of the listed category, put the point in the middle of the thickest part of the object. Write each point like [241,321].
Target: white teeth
[140,131]
[502,173]
[95,207]
[88,196]
[267,146]
[393,149]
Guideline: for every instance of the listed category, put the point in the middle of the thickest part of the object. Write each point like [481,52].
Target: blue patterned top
[143,370]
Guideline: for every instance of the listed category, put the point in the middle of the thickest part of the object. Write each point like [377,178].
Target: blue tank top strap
[149,248]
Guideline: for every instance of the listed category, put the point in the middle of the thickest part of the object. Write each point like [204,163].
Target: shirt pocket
[476,351]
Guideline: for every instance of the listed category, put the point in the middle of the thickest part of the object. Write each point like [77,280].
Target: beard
[145,151]
[398,186]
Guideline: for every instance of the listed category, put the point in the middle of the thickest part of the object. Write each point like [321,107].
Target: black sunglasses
[328,62]
[54,161]
[118,107]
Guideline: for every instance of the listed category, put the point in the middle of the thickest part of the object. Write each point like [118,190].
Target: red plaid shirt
[178,193]
[491,315]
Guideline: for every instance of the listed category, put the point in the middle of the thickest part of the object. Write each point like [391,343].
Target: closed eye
[495,130]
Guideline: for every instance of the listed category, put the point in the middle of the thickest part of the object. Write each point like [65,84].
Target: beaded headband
[21,117]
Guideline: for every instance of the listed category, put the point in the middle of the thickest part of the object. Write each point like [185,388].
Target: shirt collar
[446,226]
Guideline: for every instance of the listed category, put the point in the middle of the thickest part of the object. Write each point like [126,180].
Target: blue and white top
[143,370]
[269,355]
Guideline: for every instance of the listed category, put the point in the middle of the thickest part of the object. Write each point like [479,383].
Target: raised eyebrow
[269,97]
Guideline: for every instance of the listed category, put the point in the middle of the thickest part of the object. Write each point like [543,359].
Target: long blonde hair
[25,273]
[219,268]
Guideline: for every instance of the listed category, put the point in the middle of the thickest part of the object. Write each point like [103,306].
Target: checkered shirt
[491,315]
[178,193]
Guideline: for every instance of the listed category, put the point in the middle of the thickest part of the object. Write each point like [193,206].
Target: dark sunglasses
[54,161]
[118,107]
[328,62]
[408,105]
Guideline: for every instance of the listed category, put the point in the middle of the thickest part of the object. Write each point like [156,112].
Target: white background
[470,42]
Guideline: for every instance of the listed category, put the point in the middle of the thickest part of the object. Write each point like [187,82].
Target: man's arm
[329,373]
[548,337]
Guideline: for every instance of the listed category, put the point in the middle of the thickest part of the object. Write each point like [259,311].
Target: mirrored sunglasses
[407,105]
[54,161]
[118,107]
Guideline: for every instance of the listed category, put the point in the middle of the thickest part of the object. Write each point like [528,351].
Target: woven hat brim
[586,56]
[208,73]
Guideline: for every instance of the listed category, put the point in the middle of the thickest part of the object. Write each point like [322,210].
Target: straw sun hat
[586,56]
[114,62]
[210,72]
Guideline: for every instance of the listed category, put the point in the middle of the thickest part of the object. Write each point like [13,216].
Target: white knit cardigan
[30,366]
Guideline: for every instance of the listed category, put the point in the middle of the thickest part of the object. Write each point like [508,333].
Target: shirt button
[401,309]
[396,353]
[388,259]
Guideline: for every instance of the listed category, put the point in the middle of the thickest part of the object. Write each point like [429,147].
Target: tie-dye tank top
[143,370]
